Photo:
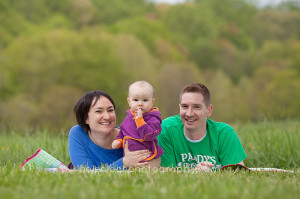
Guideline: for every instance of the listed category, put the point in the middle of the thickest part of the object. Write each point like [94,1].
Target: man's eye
[183,107]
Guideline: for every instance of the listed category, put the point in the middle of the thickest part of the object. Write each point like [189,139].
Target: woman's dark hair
[84,104]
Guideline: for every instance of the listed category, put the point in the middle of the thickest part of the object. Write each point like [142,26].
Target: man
[191,140]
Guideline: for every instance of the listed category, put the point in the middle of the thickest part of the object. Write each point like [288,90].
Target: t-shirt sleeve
[168,157]
[231,149]
[77,150]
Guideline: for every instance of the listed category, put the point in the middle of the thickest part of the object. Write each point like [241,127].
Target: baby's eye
[135,100]
[145,100]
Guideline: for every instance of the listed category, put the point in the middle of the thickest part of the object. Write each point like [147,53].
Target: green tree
[171,78]
[153,34]
[276,25]
[276,92]
[55,109]
[82,12]
[84,61]
[235,20]
[190,22]
[36,11]
[18,112]
[112,11]
[136,58]
[293,52]
[223,94]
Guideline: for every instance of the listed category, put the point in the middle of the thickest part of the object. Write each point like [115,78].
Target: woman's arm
[80,157]
[77,150]
[117,164]
[131,159]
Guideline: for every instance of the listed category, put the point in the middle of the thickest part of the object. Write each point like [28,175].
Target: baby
[143,123]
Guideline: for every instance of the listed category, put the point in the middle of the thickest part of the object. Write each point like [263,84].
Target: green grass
[136,184]
[268,144]
[271,144]
[15,147]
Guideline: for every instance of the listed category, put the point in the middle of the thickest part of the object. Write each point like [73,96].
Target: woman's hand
[204,166]
[132,159]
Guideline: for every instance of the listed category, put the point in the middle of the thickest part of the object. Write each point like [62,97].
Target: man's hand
[204,166]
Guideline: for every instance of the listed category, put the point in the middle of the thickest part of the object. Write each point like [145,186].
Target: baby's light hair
[141,84]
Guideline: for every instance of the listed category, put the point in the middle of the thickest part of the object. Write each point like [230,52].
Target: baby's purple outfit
[142,133]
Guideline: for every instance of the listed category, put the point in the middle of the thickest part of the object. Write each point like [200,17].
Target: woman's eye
[111,110]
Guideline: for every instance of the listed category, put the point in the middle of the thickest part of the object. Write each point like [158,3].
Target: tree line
[52,52]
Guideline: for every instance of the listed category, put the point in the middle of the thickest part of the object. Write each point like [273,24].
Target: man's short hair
[197,88]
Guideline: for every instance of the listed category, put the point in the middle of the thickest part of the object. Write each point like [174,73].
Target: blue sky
[260,2]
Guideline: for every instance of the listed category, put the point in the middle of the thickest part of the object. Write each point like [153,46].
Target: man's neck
[195,134]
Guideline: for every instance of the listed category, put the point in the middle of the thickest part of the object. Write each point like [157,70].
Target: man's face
[194,112]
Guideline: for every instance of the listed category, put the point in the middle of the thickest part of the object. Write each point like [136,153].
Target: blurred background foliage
[52,52]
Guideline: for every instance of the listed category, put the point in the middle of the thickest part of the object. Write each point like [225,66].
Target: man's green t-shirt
[220,146]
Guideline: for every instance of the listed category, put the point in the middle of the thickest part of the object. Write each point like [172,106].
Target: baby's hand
[138,113]
[115,144]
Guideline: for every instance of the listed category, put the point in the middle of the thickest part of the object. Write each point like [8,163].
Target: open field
[269,144]
[41,184]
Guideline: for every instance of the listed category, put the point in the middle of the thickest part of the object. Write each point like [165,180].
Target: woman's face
[101,116]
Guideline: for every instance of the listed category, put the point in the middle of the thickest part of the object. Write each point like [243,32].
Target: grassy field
[268,144]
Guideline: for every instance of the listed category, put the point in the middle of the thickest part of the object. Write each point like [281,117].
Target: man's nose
[189,112]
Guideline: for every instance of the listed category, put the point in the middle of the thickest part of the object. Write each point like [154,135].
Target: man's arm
[242,163]
[231,149]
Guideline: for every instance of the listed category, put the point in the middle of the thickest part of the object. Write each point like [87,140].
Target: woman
[90,142]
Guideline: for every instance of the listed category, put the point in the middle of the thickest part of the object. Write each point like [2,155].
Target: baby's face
[140,98]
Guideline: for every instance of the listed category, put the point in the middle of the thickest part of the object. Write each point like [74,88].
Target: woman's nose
[106,114]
